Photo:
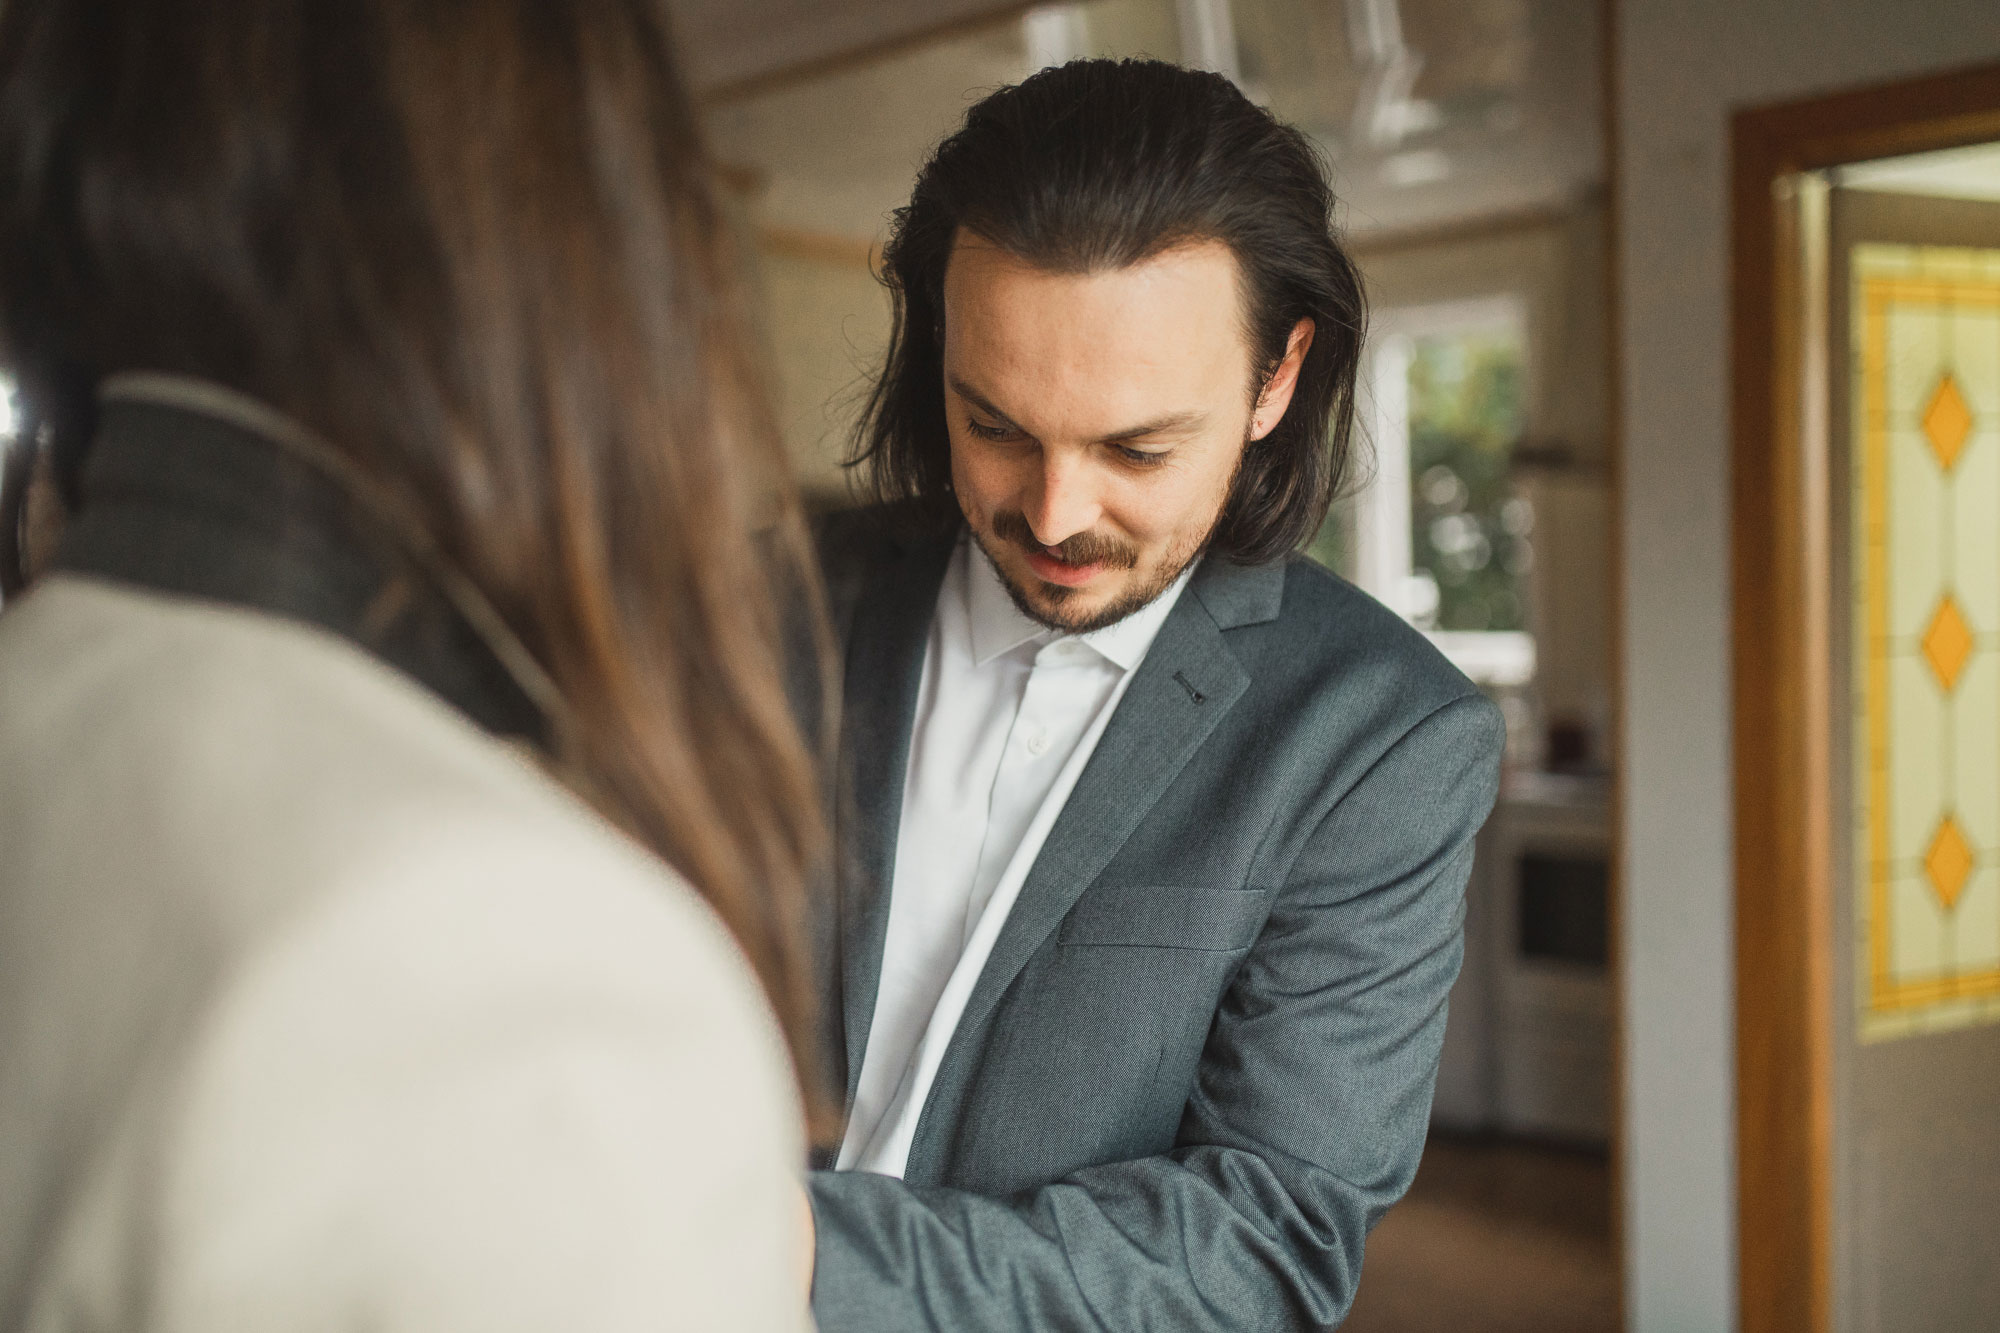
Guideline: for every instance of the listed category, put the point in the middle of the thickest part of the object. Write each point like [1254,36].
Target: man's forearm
[1202,1239]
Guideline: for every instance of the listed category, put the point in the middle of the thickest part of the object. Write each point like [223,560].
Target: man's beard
[1011,526]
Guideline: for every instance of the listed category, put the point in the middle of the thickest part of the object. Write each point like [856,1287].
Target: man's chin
[1071,610]
[1105,600]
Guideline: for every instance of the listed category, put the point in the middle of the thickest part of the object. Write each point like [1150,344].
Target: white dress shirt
[1008,713]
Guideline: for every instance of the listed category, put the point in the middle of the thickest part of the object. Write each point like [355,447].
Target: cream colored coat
[321,1010]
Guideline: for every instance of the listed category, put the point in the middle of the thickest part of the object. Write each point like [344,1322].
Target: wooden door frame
[1782,669]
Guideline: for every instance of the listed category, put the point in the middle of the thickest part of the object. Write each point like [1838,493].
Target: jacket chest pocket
[1153,916]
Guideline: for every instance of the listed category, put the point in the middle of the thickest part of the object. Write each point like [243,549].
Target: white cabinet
[1528,1046]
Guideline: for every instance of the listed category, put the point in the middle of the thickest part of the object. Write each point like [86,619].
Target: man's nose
[1063,501]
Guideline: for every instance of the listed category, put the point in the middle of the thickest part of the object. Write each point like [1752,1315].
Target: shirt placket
[1044,733]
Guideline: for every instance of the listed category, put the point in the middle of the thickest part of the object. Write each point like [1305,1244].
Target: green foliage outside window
[1469,531]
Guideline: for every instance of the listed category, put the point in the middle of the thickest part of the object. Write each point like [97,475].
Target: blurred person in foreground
[1155,832]
[409,623]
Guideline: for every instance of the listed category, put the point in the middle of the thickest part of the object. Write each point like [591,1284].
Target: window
[1436,531]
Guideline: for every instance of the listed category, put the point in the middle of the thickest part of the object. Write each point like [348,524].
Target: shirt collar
[998,627]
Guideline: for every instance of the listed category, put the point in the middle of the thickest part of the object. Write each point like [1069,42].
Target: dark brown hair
[472,243]
[1099,164]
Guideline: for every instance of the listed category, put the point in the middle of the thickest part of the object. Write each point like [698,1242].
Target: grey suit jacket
[1198,1065]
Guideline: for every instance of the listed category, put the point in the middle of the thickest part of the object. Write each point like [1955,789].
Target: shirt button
[1038,742]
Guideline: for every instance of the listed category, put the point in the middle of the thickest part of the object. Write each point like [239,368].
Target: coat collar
[1240,595]
[194,490]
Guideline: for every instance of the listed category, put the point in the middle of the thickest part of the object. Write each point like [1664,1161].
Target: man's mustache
[1086,548]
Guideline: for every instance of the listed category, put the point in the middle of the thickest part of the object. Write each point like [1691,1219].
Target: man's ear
[1277,393]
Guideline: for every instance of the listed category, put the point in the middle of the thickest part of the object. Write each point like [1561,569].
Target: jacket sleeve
[1305,1125]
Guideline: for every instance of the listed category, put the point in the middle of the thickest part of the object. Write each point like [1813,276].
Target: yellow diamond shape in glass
[1947,643]
[1948,863]
[1947,422]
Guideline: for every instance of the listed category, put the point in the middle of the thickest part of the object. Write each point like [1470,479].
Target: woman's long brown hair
[474,244]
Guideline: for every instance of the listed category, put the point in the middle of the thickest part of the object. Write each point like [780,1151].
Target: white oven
[1528,1046]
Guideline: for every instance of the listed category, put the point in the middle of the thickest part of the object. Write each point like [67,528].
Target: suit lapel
[885,663]
[1189,680]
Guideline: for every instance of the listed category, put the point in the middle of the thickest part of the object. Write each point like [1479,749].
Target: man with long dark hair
[1154,834]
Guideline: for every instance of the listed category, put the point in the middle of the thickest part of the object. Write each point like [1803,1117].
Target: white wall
[1683,67]
[828,330]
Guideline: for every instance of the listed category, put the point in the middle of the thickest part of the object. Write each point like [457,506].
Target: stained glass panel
[1926,617]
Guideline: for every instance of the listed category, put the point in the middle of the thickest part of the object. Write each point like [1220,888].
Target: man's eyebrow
[979,400]
[1166,425]
[1173,421]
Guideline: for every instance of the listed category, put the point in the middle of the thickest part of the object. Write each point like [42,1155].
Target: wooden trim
[1782,650]
[1492,226]
[819,247]
[1947,110]
[1782,662]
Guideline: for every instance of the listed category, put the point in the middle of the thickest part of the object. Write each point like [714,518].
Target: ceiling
[1432,112]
